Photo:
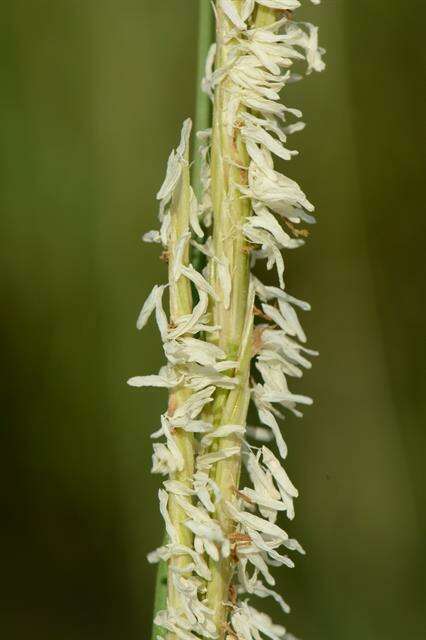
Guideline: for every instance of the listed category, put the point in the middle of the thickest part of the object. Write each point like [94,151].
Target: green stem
[203,107]
[160,596]
[202,101]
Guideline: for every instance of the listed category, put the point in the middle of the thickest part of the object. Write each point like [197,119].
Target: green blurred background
[92,97]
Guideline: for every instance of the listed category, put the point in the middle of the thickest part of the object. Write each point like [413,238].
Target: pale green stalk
[229,157]
[181,304]
[229,160]
[232,410]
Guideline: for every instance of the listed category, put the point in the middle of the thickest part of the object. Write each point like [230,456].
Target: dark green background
[92,97]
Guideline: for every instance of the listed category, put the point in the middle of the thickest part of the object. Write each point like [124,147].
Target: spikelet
[228,338]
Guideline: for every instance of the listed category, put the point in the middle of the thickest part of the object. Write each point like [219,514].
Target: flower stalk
[228,338]
[180,307]
[233,313]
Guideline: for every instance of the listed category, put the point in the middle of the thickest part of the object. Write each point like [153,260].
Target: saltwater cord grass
[228,338]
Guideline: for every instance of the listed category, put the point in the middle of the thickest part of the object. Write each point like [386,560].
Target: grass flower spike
[228,338]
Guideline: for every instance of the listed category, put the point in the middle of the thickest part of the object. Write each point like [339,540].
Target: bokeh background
[92,98]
